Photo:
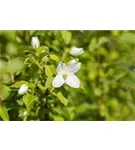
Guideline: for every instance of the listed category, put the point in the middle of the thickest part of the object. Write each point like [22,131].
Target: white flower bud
[35,42]
[76,51]
[23,89]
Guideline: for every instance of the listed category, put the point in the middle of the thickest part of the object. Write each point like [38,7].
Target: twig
[12,78]
[37,64]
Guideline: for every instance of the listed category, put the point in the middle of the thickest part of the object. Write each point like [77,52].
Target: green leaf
[66,35]
[15,65]
[58,118]
[41,86]
[93,44]
[49,70]
[3,112]
[4,92]
[19,83]
[54,57]
[42,50]
[48,82]
[62,98]
[102,40]
[27,60]
[128,38]
[28,100]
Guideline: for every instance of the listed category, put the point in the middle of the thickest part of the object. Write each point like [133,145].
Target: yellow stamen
[65,74]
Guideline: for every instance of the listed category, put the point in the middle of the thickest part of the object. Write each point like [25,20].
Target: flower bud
[76,51]
[23,89]
[35,42]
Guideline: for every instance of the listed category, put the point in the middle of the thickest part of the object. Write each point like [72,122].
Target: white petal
[74,67]
[61,66]
[72,61]
[58,81]
[76,51]
[73,81]
[23,89]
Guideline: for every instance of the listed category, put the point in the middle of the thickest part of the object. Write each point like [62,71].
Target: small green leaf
[49,70]
[62,98]
[4,92]
[102,40]
[66,35]
[41,86]
[42,50]
[28,100]
[93,44]
[19,83]
[27,60]
[54,57]
[48,82]
[3,112]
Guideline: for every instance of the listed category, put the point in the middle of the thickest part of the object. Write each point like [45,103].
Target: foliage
[107,76]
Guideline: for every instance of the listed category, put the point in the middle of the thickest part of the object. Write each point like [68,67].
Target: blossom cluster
[65,73]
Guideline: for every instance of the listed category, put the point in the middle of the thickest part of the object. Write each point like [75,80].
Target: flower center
[64,74]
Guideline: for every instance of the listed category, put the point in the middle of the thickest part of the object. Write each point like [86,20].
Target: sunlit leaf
[62,98]
[4,112]
[42,50]
[28,100]
[54,57]
[49,70]
[66,35]
[4,91]
[19,83]
[48,82]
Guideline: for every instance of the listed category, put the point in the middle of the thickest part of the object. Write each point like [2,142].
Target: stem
[37,64]
[47,114]
[12,78]
[51,89]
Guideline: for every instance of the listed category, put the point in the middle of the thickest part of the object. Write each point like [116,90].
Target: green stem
[51,89]
[12,78]
[37,64]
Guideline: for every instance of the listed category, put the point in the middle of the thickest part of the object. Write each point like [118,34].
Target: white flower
[35,42]
[65,74]
[23,89]
[76,51]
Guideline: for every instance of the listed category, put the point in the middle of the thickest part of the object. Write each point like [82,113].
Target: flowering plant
[40,90]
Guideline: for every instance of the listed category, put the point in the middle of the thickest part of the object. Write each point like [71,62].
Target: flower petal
[61,66]
[74,67]
[72,61]
[73,81]
[58,81]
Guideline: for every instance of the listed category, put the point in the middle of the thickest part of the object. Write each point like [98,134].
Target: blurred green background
[107,74]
